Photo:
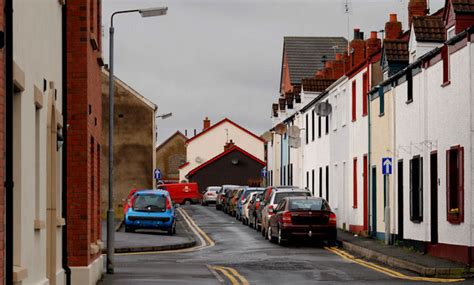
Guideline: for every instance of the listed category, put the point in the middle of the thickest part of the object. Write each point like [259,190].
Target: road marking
[205,240]
[388,271]
[214,272]
[233,275]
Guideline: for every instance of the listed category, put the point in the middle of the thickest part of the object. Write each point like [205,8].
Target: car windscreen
[247,192]
[150,203]
[308,205]
[280,196]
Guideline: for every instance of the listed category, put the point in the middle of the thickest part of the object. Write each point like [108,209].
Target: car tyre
[129,229]
[270,235]
[281,240]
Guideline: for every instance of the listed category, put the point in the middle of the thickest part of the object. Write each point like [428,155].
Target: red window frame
[365,91]
[446,73]
[455,217]
[354,101]
[354,185]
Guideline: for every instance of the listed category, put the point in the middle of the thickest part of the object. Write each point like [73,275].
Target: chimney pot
[373,35]
[206,124]
[393,18]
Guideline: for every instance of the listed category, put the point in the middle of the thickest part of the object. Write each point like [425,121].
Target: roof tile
[429,29]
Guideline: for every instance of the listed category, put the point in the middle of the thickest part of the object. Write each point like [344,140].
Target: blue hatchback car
[151,209]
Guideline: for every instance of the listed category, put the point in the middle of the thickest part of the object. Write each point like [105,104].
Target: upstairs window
[409,86]
[446,71]
[327,124]
[455,184]
[307,129]
[354,85]
[381,102]
[416,189]
[319,126]
[312,125]
[365,91]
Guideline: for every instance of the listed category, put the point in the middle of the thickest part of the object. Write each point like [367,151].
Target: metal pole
[387,210]
[110,212]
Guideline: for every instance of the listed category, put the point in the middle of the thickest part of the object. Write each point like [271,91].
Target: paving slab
[401,257]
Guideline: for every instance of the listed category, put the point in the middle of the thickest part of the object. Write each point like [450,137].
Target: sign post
[387,171]
[264,173]
[157,176]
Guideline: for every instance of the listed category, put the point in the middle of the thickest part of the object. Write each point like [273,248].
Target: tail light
[270,210]
[168,204]
[332,219]
[286,218]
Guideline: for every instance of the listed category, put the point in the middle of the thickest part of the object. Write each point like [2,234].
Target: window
[291,174]
[365,91]
[320,182]
[354,85]
[446,71]
[381,102]
[354,186]
[307,131]
[327,124]
[312,125]
[307,180]
[409,86]
[319,126]
[343,108]
[312,181]
[416,189]
[335,115]
[455,184]
[327,183]
[451,32]
[284,175]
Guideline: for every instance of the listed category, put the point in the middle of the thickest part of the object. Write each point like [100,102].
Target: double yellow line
[230,273]
[387,271]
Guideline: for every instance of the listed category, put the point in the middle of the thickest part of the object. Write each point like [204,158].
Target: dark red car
[302,217]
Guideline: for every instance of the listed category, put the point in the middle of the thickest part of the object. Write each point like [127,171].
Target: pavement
[149,240]
[239,255]
[401,257]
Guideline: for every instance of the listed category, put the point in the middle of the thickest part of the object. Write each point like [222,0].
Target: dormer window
[450,33]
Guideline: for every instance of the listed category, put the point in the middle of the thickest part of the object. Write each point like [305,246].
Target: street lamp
[150,12]
[164,116]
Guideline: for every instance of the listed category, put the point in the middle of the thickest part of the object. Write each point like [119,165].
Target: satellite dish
[323,109]
[294,142]
[267,136]
[198,159]
[280,129]
[294,132]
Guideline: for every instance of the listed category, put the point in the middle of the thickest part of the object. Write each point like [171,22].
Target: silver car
[210,196]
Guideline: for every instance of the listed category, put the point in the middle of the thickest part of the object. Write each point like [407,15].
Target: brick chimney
[373,44]
[228,145]
[338,66]
[416,8]
[393,28]
[357,48]
[206,124]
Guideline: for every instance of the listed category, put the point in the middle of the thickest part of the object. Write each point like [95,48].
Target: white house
[38,123]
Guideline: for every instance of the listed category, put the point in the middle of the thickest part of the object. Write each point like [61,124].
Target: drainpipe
[9,142]
[64,194]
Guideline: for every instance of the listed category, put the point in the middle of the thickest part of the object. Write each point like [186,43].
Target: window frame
[354,101]
[354,184]
[452,216]
[416,219]
[365,91]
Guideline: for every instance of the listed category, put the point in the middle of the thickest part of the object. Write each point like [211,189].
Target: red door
[365,166]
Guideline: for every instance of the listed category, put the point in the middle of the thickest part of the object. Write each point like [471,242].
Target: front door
[366,190]
[374,201]
[434,196]
[400,199]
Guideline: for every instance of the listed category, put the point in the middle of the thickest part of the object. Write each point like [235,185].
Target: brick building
[84,115]
[170,155]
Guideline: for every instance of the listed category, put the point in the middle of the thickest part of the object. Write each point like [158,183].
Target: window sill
[364,115]
[354,207]
[409,101]
[416,221]
[446,83]
[381,114]
[354,120]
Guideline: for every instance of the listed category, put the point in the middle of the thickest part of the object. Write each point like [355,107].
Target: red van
[182,193]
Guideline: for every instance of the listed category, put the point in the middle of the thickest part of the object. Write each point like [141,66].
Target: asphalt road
[241,256]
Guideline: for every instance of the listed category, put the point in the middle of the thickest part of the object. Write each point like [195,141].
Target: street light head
[165,116]
[153,12]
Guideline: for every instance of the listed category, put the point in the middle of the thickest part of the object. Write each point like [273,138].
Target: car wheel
[270,235]
[263,231]
[281,240]
[129,229]
[255,223]
[172,230]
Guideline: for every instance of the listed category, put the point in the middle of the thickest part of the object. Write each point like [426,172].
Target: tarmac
[402,257]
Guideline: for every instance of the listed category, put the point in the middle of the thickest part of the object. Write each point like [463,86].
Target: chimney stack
[357,48]
[373,44]
[229,145]
[206,124]
[393,28]
[417,8]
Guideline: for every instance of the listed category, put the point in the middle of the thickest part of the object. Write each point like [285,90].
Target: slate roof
[305,54]
[463,6]
[315,84]
[396,50]
[429,29]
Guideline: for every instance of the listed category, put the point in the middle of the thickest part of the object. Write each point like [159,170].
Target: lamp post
[151,12]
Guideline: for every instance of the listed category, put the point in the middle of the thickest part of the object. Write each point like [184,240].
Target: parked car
[231,201]
[151,209]
[246,207]
[277,194]
[298,217]
[210,196]
[221,196]
[127,201]
[243,198]
[182,193]
[228,194]
[253,211]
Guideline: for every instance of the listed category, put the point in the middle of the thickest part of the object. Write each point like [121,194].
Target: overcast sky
[222,58]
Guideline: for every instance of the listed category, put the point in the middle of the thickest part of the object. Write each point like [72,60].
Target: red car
[128,202]
[183,193]
[302,217]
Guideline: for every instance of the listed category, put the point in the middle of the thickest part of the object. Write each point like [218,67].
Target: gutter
[64,194]
[9,142]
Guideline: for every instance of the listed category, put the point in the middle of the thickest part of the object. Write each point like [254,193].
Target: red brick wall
[84,119]
[2,150]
